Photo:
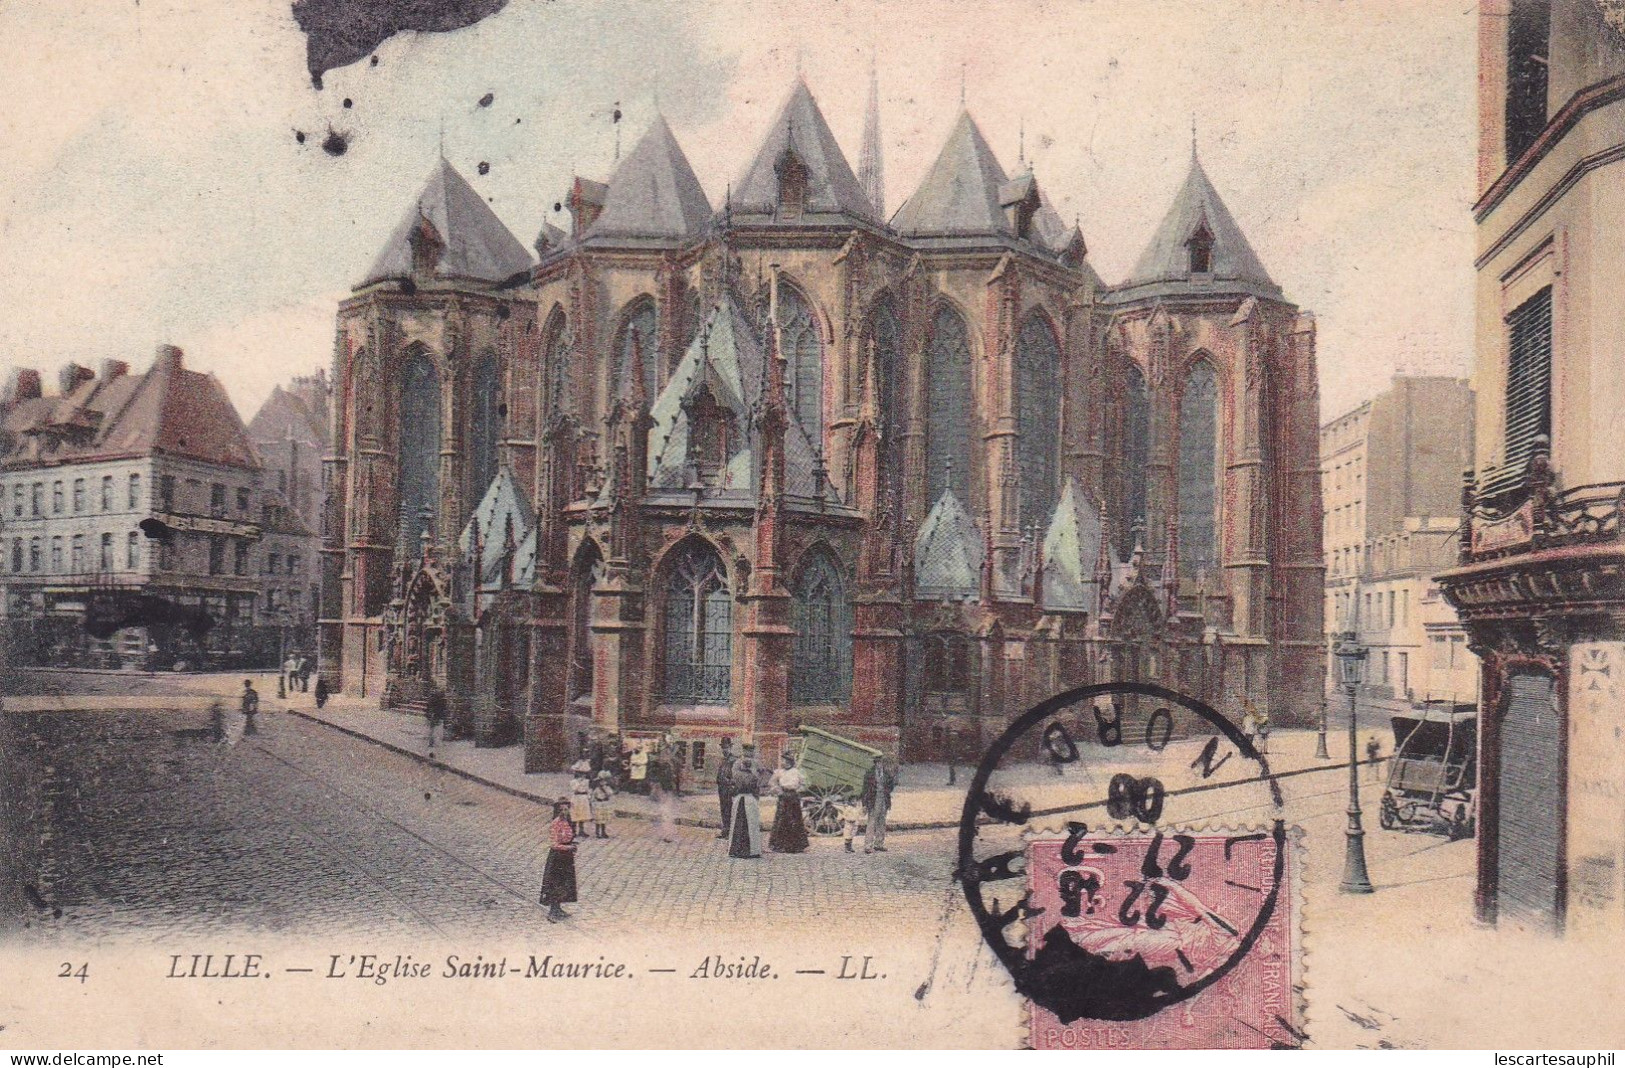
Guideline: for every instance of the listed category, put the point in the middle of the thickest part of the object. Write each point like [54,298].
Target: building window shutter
[1529,387]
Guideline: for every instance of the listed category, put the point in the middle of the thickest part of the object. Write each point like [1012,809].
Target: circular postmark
[1150,865]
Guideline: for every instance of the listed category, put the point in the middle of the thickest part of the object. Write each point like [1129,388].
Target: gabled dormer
[1200,246]
[449,234]
[799,174]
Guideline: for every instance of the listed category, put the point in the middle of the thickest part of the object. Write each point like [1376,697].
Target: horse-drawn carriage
[833,769]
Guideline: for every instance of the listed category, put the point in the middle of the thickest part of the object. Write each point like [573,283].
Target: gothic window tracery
[887,333]
[1038,417]
[698,628]
[419,487]
[556,362]
[589,569]
[804,353]
[486,421]
[1198,471]
[1136,460]
[821,670]
[948,403]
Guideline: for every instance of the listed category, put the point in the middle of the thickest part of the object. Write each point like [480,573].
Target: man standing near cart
[725,786]
[878,783]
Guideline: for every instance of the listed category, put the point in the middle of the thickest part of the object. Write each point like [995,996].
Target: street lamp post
[1320,735]
[1350,662]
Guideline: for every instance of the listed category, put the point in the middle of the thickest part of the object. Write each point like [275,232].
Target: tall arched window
[1038,417]
[890,404]
[1136,460]
[821,670]
[485,422]
[556,363]
[420,444]
[639,322]
[1198,471]
[364,388]
[949,433]
[589,566]
[804,356]
[699,628]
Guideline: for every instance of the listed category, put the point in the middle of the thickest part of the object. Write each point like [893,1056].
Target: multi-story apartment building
[1540,581]
[1391,483]
[132,519]
[289,433]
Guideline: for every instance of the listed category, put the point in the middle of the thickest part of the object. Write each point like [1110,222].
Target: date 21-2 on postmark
[1143,911]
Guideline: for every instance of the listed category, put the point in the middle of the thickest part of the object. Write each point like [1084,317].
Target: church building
[710,469]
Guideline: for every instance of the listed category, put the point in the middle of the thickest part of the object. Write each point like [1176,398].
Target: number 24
[81,973]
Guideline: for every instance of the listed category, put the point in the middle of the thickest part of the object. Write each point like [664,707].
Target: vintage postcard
[1053,524]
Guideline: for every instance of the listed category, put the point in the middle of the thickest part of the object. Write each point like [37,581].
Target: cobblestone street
[157,831]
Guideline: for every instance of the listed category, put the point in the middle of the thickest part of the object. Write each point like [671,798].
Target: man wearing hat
[725,786]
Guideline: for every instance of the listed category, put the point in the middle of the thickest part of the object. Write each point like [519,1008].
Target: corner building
[721,471]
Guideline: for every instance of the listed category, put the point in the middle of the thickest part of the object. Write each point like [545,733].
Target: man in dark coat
[878,784]
[250,707]
[725,785]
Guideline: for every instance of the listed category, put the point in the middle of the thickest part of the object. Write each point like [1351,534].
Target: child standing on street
[559,874]
[598,801]
[581,796]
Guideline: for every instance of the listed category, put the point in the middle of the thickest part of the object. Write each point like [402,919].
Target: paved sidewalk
[923,801]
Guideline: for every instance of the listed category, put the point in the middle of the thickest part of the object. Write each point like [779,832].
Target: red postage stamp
[1164,940]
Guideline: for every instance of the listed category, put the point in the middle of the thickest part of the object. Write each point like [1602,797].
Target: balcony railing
[1540,516]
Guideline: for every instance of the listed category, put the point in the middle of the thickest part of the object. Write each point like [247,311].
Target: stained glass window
[890,405]
[821,671]
[1038,418]
[804,356]
[1136,460]
[486,430]
[1198,472]
[420,443]
[699,628]
[948,401]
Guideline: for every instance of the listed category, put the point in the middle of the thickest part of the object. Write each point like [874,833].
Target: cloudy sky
[153,189]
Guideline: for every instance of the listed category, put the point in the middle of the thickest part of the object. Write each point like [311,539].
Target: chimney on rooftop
[69,377]
[112,369]
[24,385]
[170,357]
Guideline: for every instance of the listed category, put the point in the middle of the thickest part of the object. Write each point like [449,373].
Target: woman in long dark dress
[559,874]
[789,828]
[745,838]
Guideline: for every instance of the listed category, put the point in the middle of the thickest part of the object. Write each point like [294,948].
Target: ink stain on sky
[336,143]
[340,32]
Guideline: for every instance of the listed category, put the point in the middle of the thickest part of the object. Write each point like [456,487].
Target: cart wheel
[1389,815]
[822,811]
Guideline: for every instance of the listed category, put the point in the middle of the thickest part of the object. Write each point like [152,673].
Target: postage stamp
[1167,941]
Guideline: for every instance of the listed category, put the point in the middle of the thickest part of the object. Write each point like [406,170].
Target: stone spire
[871,173]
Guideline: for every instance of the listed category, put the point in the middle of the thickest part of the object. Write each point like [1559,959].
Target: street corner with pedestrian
[559,871]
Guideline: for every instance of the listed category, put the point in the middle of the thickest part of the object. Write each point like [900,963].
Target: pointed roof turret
[454,225]
[1199,231]
[948,552]
[1071,554]
[653,194]
[960,193]
[800,136]
[502,520]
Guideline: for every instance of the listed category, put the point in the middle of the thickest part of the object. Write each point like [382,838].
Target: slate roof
[1071,551]
[1167,257]
[653,194]
[478,246]
[960,193]
[168,410]
[832,188]
[948,552]
[286,414]
[504,502]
